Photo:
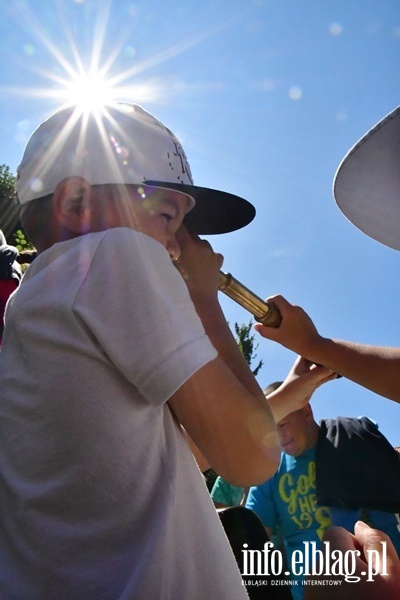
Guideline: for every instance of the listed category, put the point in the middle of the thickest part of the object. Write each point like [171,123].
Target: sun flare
[88,92]
[91,72]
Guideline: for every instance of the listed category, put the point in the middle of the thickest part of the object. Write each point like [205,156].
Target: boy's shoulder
[118,237]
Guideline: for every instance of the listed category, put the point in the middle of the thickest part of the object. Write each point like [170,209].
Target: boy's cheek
[174,249]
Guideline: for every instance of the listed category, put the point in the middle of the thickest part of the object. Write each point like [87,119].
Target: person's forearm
[374,367]
[221,406]
[282,403]
[298,387]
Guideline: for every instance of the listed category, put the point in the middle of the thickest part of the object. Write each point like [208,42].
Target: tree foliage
[9,211]
[247,345]
[7,183]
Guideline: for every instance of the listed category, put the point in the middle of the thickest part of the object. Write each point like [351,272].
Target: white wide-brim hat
[367,183]
[122,144]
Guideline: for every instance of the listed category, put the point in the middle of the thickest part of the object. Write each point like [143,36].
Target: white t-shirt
[100,496]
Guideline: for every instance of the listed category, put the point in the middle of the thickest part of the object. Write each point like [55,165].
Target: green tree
[9,209]
[246,344]
[7,182]
[10,222]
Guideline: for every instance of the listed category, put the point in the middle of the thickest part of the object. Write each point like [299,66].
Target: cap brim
[215,211]
[367,183]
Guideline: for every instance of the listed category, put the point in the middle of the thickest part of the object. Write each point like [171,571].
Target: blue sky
[266,97]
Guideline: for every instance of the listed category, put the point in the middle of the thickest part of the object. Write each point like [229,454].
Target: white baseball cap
[122,144]
[366,186]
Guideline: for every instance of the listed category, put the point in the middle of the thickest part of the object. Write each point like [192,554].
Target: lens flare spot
[268,85]
[122,151]
[28,49]
[295,93]
[130,51]
[132,11]
[341,116]
[36,184]
[335,29]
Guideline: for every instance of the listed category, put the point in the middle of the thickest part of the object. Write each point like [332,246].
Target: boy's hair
[272,387]
[37,220]
[121,144]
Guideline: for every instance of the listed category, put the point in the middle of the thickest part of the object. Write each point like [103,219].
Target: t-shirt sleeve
[260,500]
[135,304]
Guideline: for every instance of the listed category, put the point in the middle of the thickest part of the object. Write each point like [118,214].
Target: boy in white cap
[108,349]
[106,352]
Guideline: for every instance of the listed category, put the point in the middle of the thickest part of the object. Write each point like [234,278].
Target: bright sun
[88,92]
[91,83]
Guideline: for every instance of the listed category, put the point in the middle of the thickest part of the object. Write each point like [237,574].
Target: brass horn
[264,312]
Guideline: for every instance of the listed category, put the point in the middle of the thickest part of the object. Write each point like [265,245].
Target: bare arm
[200,459]
[296,391]
[374,367]
[221,406]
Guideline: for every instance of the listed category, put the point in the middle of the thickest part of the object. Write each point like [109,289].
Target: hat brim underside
[215,211]
[367,182]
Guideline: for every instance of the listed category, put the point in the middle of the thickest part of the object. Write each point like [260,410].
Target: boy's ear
[71,204]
